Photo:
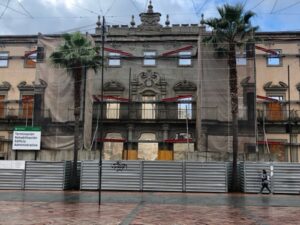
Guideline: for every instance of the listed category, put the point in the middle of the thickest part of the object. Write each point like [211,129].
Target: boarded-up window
[30,59]
[2,106]
[27,106]
[278,153]
[275,111]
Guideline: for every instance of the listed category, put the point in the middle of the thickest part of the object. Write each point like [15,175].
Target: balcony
[16,113]
[145,111]
[278,115]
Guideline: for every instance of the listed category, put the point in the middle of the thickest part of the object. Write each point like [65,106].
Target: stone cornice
[281,86]
[5,86]
[185,86]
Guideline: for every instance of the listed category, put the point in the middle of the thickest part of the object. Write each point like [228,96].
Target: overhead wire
[194,7]
[14,10]
[204,3]
[274,6]
[133,3]
[7,4]
[25,10]
[285,8]
[88,10]
[100,7]
[109,8]
[258,4]
[146,4]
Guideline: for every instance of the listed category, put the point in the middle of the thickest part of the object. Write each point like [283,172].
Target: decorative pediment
[5,86]
[113,86]
[23,86]
[185,86]
[150,20]
[246,82]
[281,86]
[39,87]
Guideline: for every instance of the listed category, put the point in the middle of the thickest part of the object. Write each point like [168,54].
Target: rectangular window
[241,59]
[148,107]
[3,59]
[114,59]
[185,59]
[30,59]
[185,108]
[149,58]
[112,110]
[274,59]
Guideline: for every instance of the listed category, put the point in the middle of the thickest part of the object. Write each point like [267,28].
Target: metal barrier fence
[11,178]
[155,176]
[206,177]
[284,177]
[42,175]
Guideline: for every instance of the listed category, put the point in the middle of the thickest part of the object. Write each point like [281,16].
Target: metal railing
[20,113]
[278,115]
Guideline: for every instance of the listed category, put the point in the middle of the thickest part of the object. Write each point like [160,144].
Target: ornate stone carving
[245,81]
[185,86]
[281,86]
[23,86]
[40,86]
[5,86]
[149,81]
[113,86]
[150,20]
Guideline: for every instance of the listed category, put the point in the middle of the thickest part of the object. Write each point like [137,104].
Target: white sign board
[12,164]
[26,138]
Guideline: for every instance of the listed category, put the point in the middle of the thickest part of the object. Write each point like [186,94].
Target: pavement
[146,208]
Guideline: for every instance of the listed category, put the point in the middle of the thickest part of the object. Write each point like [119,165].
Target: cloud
[52,16]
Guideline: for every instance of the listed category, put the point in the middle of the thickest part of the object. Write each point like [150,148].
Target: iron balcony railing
[278,115]
[20,113]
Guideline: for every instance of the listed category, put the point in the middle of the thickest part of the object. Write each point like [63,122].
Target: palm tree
[76,55]
[232,30]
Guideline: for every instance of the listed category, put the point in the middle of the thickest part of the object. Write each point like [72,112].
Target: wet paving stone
[146,208]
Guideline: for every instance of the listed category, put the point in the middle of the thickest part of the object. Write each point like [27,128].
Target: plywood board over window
[27,106]
[275,111]
[278,153]
[2,106]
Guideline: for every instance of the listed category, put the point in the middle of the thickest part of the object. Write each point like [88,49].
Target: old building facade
[162,95]
[277,83]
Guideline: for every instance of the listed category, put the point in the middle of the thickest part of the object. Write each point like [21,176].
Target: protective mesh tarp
[214,105]
[59,101]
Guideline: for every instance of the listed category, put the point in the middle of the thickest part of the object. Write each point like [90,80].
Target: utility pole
[101,110]
[289,121]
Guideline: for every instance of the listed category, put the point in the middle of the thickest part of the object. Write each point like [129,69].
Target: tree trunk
[234,112]
[77,72]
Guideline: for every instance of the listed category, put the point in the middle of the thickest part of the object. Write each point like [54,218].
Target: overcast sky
[58,16]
